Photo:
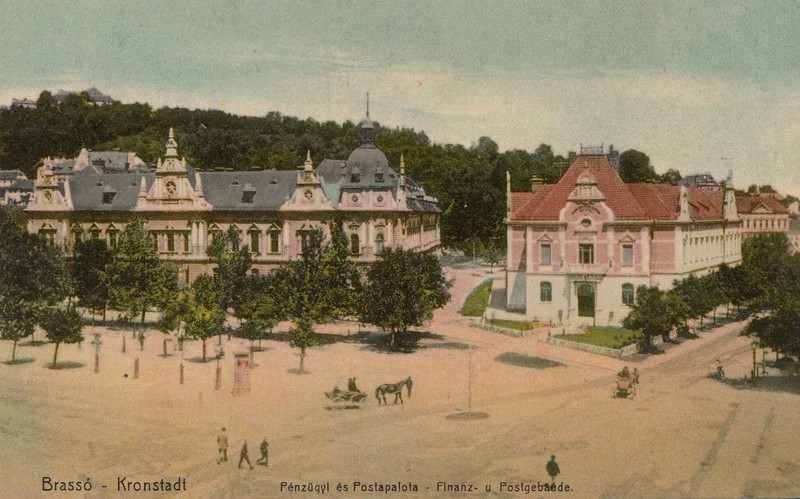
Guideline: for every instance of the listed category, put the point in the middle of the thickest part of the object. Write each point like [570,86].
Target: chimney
[613,157]
[536,183]
[571,157]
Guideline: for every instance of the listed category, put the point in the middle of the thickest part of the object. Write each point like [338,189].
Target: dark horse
[393,388]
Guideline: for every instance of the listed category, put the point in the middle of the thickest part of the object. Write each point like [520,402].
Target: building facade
[762,213]
[274,211]
[578,249]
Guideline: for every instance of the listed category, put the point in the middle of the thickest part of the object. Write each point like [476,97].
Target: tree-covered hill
[469,182]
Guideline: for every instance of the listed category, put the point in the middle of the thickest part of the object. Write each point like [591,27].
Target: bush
[477,301]
[517,325]
[608,337]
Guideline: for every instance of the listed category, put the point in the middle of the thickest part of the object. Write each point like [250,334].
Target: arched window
[627,294]
[545,292]
[378,243]
[355,244]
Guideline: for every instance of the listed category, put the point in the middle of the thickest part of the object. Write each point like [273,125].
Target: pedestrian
[222,443]
[351,385]
[243,456]
[636,375]
[552,468]
[264,453]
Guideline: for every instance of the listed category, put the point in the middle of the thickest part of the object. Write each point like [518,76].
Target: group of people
[222,444]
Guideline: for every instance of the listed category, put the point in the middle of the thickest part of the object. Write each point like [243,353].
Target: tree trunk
[144,311]
[55,355]
[14,351]
[204,350]
[104,312]
[165,347]
[302,358]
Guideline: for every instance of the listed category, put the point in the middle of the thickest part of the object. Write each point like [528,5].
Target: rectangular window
[545,255]
[113,238]
[545,292]
[186,247]
[627,255]
[254,240]
[274,241]
[586,253]
[170,242]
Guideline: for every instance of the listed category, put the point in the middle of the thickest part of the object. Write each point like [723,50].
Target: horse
[393,388]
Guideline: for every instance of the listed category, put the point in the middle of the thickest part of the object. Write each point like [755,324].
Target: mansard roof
[639,201]
[747,204]
[87,190]
[272,188]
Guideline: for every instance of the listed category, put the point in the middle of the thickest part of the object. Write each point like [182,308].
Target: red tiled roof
[746,204]
[627,201]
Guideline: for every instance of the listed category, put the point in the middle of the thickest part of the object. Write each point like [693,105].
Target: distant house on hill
[23,103]
[15,188]
[578,249]
[96,97]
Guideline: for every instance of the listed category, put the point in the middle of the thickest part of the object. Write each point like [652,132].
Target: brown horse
[393,388]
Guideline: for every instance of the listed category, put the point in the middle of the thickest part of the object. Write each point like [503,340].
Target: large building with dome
[274,211]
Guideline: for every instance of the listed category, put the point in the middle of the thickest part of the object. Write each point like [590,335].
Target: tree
[174,312]
[780,329]
[649,315]
[634,166]
[17,320]
[203,317]
[233,262]
[89,263]
[403,289]
[62,326]
[134,270]
[316,288]
[260,310]
[765,257]
[671,176]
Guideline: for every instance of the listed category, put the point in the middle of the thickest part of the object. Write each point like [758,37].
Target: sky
[698,86]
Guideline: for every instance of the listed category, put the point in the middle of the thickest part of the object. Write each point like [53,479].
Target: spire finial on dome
[367,104]
[171,146]
[308,165]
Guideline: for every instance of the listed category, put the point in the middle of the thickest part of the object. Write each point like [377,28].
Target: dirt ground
[683,435]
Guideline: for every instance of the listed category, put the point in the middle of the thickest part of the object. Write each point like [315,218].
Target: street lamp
[754,373]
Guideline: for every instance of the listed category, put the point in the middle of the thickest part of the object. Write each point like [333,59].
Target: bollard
[218,379]
[136,368]
[96,362]
[123,344]
[181,372]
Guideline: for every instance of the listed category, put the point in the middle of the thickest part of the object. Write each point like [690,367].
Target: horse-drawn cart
[338,396]
[626,386]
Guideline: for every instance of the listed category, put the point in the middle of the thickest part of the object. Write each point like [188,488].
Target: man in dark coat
[552,468]
[243,456]
[264,453]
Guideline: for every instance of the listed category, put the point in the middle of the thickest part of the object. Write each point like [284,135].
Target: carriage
[626,386]
[346,397]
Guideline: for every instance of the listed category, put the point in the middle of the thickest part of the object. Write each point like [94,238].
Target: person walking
[243,456]
[552,468]
[222,444]
[264,453]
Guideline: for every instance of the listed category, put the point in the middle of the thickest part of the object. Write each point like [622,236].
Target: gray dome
[368,159]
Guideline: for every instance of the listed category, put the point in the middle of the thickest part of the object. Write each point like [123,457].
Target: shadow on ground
[17,361]
[64,365]
[522,360]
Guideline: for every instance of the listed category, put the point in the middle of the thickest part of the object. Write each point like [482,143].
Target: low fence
[504,330]
[586,347]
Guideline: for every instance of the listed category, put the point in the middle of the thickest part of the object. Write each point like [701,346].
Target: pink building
[578,249]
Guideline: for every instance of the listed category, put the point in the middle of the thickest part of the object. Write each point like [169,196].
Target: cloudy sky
[698,86]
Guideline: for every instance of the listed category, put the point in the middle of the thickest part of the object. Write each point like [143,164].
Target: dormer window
[248,193]
[378,176]
[355,177]
[108,195]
